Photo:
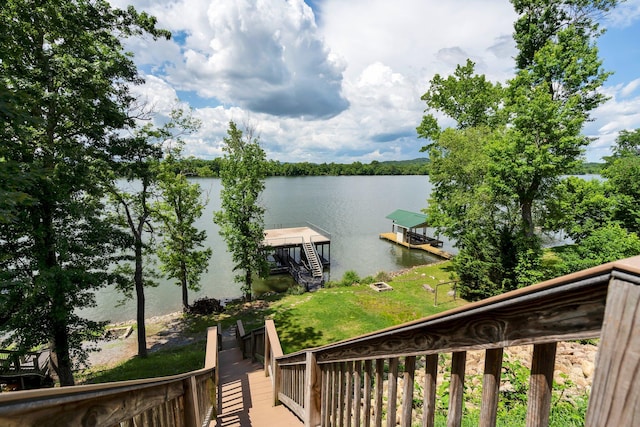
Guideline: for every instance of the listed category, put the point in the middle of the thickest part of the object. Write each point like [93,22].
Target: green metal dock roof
[408,219]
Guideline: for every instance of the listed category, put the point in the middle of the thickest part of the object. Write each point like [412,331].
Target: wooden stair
[313,258]
[246,394]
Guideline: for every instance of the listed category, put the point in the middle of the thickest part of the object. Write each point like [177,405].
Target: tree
[241,218]
[622,171]
[578,207]
[180,205]
[63,67]
[137,159]
[535,138]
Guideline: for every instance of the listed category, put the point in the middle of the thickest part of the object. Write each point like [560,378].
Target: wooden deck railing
[187,400]
[343,384]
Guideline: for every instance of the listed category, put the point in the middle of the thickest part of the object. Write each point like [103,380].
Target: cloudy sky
[341,80]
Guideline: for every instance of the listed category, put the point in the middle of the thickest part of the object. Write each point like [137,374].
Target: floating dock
[404,231]
[392,237]
[302,251]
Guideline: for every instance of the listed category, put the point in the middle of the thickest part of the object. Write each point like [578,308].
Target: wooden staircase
[313,258]
[246,393]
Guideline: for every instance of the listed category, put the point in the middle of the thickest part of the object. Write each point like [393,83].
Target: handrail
[328,385]
[188,399]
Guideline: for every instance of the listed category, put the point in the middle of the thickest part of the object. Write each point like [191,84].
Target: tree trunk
[526,207]
[61,360]
[248,285]
[59,314]
[185,290]
[139,284]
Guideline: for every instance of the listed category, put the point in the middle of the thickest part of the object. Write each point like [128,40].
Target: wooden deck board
[287,236]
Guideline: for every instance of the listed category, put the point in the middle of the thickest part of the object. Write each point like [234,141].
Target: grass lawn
[308,320]
[334,314]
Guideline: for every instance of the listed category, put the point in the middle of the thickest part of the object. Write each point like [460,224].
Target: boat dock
[404,231]
[302,251]
[423,246]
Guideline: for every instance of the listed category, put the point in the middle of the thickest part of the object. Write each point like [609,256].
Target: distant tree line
[203,168]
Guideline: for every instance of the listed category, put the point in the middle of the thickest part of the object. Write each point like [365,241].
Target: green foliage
[608,243]
[64,91]
[579,207]
[494,171]
[623,173]
[179,206]
[241,218]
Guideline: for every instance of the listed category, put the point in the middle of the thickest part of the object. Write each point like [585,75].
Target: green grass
[308,320]
[173,361]
[334,314]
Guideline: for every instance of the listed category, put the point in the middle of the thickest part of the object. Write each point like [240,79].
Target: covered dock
[409,229]
[301,251]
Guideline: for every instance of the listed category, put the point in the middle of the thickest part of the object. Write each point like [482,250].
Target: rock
[428,288]
[587,368]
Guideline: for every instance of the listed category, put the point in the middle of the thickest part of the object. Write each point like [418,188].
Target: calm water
[352,209]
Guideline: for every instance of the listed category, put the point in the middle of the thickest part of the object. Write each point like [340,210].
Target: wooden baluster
[615,396]
[357,388]
[334,393]
[456,388]
[366,411]
[341,394]
[407,391]
[392,392]
[326,394]
[349,394]
[379,392]
[541,384]
[491,387]
[429,403]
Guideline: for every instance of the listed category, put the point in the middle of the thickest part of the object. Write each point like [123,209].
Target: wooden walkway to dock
[247,399]
[436,251]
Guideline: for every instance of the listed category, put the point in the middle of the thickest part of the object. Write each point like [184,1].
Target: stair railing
[344,384]
[189,399]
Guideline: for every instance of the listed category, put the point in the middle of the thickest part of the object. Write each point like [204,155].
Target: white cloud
[630,88]
[342,88]
[625,14]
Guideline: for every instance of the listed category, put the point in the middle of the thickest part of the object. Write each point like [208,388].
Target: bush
[205,306]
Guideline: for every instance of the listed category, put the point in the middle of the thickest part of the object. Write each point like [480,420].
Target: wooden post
[392,386]
[366,410]
[615,396]
[407,392]
[191,410]
[275,350]
[456,388]
[379,392]
[430,377]
[357,388]
[491,387]
[313,391]
[541,384]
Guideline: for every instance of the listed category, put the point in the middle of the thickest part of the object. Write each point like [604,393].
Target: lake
[351,208]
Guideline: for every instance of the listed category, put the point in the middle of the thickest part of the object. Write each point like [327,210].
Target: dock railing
[344,384]
[189,400]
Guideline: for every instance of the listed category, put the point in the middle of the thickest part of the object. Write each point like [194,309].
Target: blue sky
[340,81]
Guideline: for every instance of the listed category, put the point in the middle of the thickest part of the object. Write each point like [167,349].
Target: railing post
[456,388]
[491,387]
[313,391]
[541,384]
[615,396]
[191,410]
